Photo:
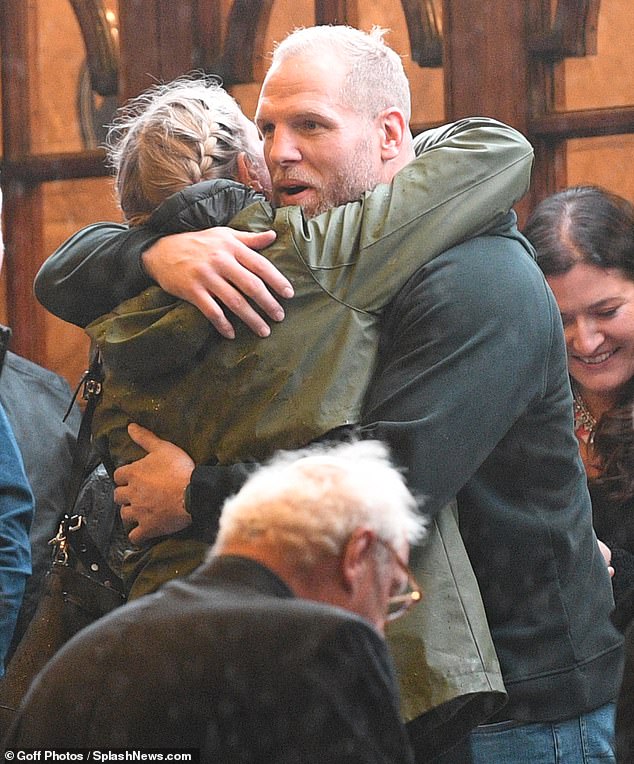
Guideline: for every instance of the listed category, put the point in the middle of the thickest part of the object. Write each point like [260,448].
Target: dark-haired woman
[584,239]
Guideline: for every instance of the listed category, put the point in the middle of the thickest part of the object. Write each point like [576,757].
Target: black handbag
[80,586]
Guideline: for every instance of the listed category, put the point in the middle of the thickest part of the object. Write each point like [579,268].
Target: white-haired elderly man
[272,651]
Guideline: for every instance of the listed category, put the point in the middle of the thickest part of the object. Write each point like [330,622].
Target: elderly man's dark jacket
[227,661]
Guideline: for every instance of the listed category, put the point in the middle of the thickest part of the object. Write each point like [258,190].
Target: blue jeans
[587,739]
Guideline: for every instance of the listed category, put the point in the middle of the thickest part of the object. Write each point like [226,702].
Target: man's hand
[220,265]
[151,490]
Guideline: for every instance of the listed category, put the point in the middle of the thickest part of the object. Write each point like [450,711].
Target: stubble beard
[349,183]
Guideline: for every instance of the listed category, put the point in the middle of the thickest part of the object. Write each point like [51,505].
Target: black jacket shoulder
[205,204]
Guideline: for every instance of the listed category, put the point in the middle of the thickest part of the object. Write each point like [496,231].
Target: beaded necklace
[585,423]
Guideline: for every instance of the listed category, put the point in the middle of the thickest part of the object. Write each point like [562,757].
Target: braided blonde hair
[171,136]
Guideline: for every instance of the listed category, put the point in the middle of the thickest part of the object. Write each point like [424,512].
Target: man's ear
[393,128]
[246,172]
[355,556]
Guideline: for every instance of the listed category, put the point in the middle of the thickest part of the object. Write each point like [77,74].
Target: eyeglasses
[399,604]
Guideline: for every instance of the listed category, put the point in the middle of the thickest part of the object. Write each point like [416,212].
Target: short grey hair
[171,136]
[308,502]
[375,80]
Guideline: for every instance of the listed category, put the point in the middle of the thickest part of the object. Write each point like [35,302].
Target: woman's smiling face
[597,309]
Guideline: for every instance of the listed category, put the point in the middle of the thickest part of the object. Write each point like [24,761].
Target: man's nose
[283,147]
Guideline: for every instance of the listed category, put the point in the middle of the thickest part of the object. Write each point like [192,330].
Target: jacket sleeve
[16,512]
[102,260]
[210,485]
[470,343]
[351,681]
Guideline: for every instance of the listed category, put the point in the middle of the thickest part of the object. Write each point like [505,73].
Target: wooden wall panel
[157,43]
[486,64]
[22,206]
[484,75]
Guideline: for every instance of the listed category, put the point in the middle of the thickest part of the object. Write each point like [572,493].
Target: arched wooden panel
[574,31]
[425,31]
[336,12]
[102,52]
[246,28]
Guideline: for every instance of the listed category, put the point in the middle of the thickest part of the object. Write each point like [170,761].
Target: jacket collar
[233,569]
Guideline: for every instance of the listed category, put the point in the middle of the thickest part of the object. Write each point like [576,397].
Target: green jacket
[228,401]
